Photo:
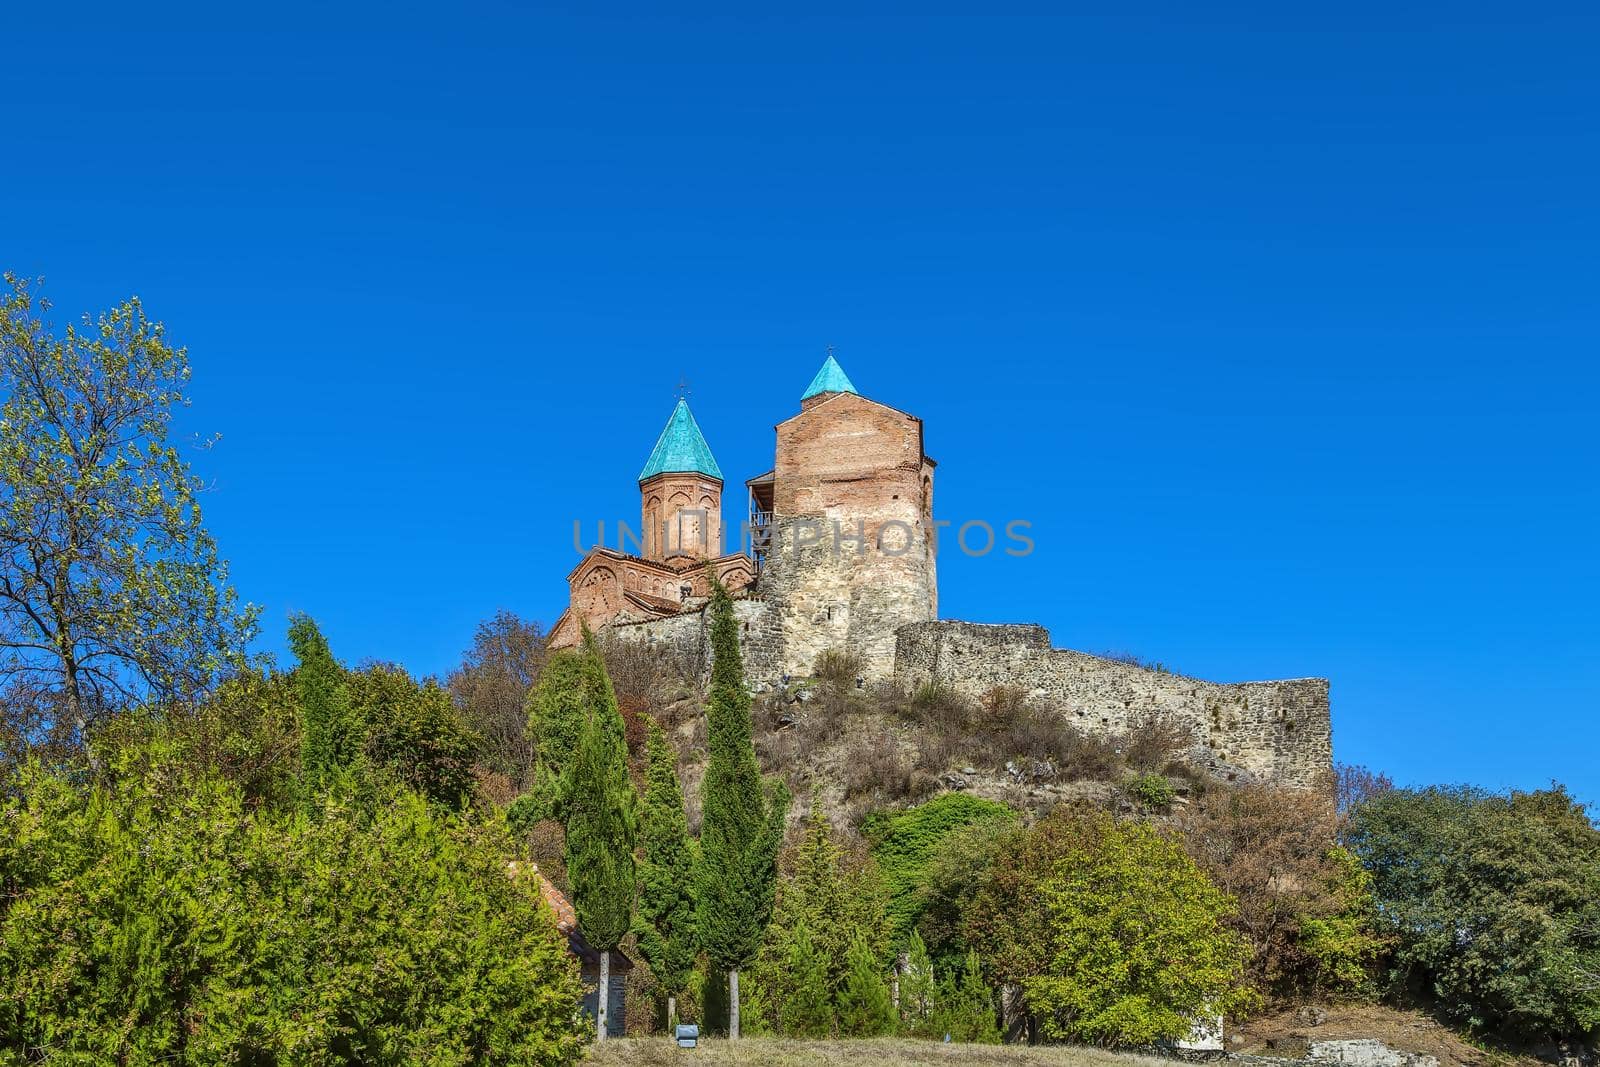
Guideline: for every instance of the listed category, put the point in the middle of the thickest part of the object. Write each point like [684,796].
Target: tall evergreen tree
[865,1007]
[966,1006]
[600,830]
[807,1010]
[741,827]
[330,738]
[666,873]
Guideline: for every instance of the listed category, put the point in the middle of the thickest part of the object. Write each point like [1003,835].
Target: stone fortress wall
[1279,731]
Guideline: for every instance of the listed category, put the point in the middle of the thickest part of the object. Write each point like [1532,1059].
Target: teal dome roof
[830,379]
[681,448]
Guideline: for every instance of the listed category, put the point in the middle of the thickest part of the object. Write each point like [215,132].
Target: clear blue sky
[1279,325]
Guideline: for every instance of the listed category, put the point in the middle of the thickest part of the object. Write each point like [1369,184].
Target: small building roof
[681,448]
[830,379]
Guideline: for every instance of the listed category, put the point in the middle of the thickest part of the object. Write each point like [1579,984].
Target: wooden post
[733,1004]
[605,996]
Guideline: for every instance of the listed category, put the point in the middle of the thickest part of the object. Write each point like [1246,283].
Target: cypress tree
[600,829]
[807,1010]
[666,873]
[741,828]
[329,739]
[865,1007]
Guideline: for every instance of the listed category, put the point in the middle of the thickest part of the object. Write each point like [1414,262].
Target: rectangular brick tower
[849,508]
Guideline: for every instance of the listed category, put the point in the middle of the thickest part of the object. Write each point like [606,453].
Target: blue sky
[1279,326]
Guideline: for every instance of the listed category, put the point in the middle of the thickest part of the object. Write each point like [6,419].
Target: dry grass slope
[775,1052]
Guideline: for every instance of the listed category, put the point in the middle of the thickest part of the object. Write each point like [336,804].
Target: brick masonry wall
[1279,731]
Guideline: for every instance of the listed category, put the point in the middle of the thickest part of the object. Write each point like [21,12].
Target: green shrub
[162,919]
[1135,946]
[1153,791]
[1494,901]
[906,842]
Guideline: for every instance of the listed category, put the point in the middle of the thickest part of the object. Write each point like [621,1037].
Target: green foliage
[155,917]
[1153,791]
[966,1006]
[247,732]
[954,874]
[1343,946]
[380,717]
[416,731]
[1133,944]
[741,827]
[330,735]
[600,820]
[557,708]
[806,1009]
[919,992]
[905,843]
[865,1006]
[665,926]
[1494,901]
[835,899]
[113,589]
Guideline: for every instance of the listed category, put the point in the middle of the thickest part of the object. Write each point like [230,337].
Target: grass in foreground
[881,1052]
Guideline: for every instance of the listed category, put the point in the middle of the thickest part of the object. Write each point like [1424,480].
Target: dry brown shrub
[653,676]
[1152,741]
[1268,847]
[839,667]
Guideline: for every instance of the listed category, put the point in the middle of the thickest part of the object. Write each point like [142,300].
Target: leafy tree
[416,732]
[966,1006]
[953,877]
[331,737]
[1135,940]
[111,589]
[491,688]
[1494,901]
[919,991]
[1344,944]
[906,843]
[665,926]
[865,1006]
[741,827]
[600,834]
[156,916]
[806,1010]
[1004,920]
[1311,930]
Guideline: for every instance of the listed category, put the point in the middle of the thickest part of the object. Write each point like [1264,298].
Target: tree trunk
[672,1016]
[733,1004]
[73,691]
[603,1002]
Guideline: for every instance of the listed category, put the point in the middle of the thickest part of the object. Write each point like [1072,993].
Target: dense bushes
[1135,943]
[163,918]
[1494,901]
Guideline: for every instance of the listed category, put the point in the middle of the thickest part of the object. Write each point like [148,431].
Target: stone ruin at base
[838,554]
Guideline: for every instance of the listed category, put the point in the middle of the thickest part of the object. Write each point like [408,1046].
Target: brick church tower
[847,556]
[680,493]
[680,502]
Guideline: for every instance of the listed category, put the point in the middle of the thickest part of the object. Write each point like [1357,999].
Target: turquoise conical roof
[681,448]
[830,379]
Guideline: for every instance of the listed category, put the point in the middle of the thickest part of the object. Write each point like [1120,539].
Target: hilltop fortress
[839,552]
